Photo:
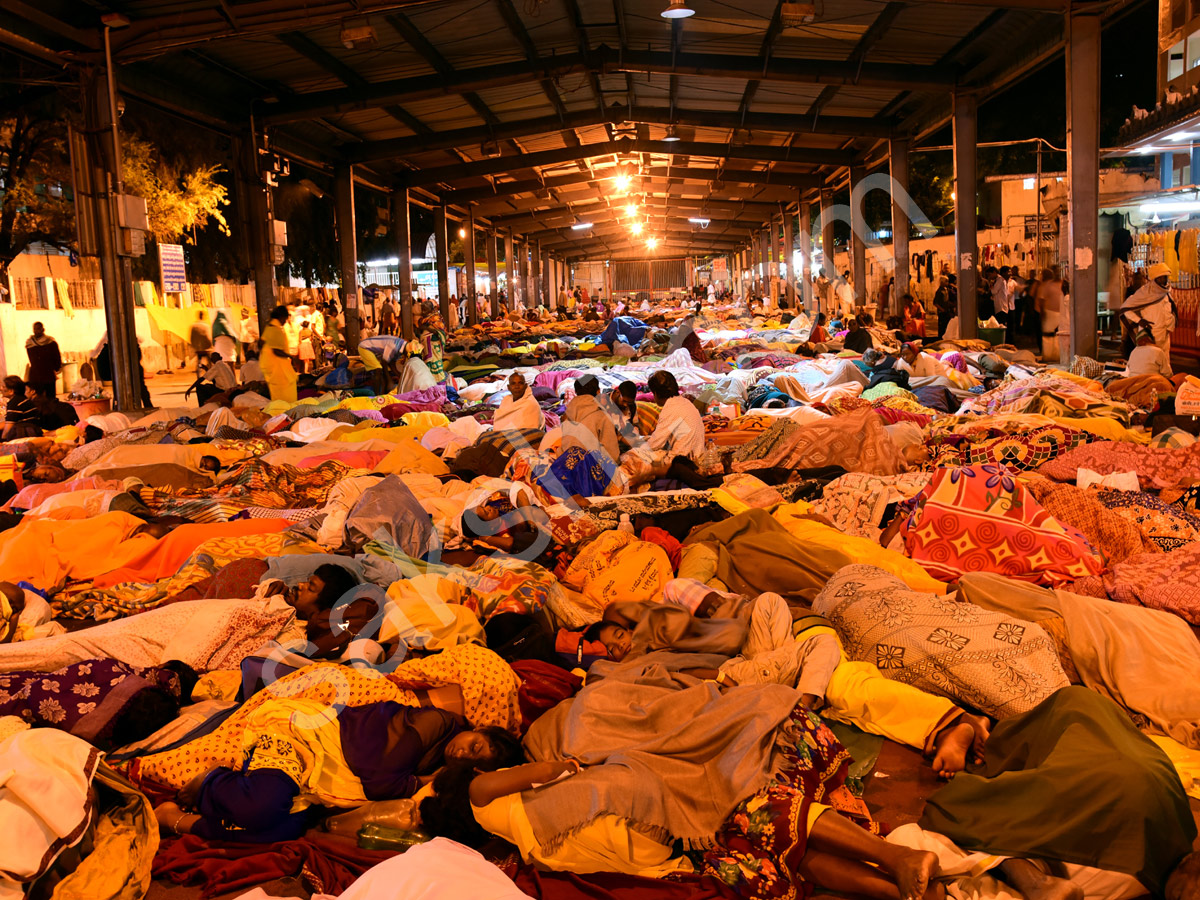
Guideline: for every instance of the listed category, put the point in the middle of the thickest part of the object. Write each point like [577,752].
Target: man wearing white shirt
[518,410]
[680,429]
[845,294]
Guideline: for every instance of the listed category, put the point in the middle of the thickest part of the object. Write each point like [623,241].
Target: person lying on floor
[768,643]
[301,758]
[766,838]
[333,617]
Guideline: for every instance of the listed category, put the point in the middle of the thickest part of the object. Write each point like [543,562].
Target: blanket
[672,737]
[1156,467]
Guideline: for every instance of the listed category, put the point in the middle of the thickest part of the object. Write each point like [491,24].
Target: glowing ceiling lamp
[581,226]
[462,232]
[671,135]
[677,9]
[652,242]
[631,210]
[636,227]
[621,182]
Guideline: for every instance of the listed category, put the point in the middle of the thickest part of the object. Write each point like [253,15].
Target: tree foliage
[178,198]
[35,177]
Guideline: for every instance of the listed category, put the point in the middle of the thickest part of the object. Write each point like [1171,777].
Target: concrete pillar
[1166,169]
[858,230]
[789,253]
[1083,176]
[442,249]
[805,274]
[492,240]
[469,257]
[898,158]
[347,252]
[548,284]
[510,269]
[404,254]
[766,255]
[966,253]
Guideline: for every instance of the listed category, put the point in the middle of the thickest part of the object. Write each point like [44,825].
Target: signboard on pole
[172,268]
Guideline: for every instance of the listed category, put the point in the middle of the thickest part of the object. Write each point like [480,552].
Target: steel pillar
[898,159]
[858,231]
[493,272]
[789,254]
[442,249]
[343,190]
[1083,176]
[404,253]
[510,269]
[966,176]
[523,278]
[828,262]
[469,258]
[804,277]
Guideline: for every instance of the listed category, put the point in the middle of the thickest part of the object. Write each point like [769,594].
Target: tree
[36,203]
[178,199]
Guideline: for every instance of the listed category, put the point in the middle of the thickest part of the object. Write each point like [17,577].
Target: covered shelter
[577,130]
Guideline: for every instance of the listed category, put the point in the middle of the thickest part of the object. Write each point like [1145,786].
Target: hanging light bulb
[652,242]
[671,135]
[636,227]
[631,210]
[677,9]
[621,182]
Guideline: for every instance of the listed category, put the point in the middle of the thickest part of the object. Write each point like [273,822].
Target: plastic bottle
[625,525]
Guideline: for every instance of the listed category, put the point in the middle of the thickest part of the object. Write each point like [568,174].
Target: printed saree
[981,519]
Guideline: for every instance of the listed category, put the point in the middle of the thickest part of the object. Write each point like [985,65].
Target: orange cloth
[47,553]
[164,557]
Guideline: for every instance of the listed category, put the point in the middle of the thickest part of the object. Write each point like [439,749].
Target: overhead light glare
[671,136]
[703,223]
[631,210]
[1168,206]
[652,242]
[636,227]
[621,182]
[677,9]
[581,226]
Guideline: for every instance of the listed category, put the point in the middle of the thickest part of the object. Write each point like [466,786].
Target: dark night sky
[1036,106]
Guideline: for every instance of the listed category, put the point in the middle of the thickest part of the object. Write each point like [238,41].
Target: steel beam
[666,173]
[1083,176]
[503,164]
[966,255]
[347,252]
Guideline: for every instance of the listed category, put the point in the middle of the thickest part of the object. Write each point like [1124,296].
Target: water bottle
[626,525]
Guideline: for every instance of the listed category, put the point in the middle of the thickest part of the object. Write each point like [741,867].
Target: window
[1174,63]
[1029,184]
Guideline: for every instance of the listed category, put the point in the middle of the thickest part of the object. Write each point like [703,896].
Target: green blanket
[1071,780]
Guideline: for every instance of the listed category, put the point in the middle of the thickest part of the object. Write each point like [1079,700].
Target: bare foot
[1056,889]
[1035,884]
[983,730]
[953,745]
[912,870]
[935,891]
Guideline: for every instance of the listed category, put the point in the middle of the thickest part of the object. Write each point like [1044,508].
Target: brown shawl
[671,760]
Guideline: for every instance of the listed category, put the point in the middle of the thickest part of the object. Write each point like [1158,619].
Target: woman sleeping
[302,754]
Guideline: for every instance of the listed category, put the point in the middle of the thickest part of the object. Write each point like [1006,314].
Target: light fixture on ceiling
[631,210]
[677,9]
[357,35]
[621,182]
[671,135]
[462,232]
[581,226]
[652,242]
[636,227]
[1171,206]
[702,222]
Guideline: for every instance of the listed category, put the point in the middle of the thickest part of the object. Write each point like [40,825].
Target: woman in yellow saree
[275,361]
